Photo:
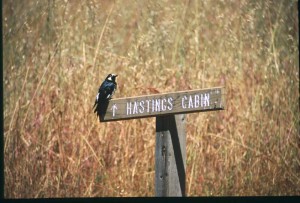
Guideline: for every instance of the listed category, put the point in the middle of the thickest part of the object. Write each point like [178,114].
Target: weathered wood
[162,104]
[170,155]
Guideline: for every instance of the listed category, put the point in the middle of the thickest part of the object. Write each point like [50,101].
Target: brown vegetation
[56,54]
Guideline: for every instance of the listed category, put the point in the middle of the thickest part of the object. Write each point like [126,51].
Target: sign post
[170,155]
[169,110]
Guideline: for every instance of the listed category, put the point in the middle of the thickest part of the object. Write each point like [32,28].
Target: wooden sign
[169,110]
[163,104]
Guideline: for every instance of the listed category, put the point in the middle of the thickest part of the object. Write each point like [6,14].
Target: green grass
[56,54]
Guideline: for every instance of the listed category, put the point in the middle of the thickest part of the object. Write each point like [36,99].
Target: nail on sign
[167,103]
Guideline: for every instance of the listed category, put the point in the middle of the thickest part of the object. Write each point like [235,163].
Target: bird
[106,91]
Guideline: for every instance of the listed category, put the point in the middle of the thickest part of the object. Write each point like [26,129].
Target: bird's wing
[96,101]
[106,90]
[108,86]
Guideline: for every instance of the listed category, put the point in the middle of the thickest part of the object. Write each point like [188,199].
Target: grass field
[57,53]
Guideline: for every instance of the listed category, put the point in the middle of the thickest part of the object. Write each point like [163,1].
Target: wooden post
[170,156]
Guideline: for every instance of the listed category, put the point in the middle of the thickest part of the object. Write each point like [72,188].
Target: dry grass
[56,53]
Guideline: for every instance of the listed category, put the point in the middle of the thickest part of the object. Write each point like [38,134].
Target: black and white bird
[106,91]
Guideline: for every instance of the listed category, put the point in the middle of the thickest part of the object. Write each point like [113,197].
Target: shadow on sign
[178,155]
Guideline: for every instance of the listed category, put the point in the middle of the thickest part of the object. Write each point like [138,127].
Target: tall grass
[56,54]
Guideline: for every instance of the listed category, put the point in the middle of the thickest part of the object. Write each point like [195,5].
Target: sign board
[163,104]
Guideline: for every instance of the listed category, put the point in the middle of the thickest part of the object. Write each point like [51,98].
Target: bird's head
[111,77]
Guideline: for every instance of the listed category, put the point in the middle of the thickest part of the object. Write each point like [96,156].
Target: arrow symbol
[114,108]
